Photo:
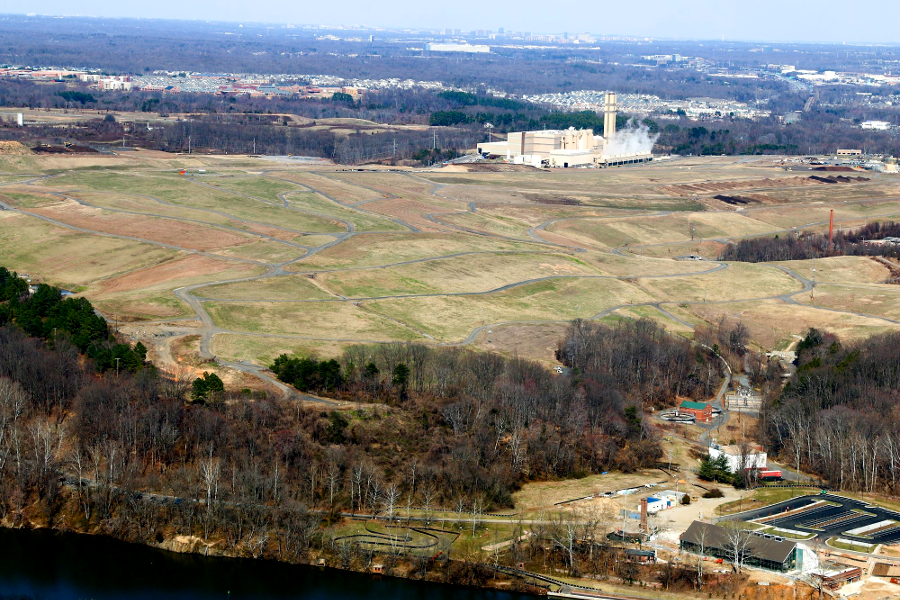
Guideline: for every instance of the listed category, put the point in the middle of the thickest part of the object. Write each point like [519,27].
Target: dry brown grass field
[251,258]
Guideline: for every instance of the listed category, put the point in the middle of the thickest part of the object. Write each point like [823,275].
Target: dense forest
[805,246]
[636,362]
[46,314]
[838,415]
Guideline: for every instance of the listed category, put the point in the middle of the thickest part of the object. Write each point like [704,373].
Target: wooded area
[803,246]
[837,416]
[48,315]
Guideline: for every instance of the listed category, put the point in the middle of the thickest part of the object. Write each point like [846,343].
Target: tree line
[250,124]
[837,416]
[637,362]
[47,314]
[804,246]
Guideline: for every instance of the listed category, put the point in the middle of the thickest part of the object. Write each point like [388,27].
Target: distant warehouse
[470,48]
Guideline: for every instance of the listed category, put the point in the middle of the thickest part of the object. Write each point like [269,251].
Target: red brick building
[700,410]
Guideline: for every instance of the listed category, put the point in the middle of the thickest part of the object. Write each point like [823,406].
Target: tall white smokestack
[609,116]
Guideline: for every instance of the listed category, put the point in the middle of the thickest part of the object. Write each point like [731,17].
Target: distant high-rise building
[500,31]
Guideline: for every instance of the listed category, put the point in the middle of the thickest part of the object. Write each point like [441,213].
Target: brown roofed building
[761,550]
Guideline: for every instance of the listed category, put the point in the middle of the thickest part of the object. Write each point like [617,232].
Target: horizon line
[635,38]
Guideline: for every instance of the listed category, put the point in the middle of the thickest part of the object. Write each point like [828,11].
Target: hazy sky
[875,21]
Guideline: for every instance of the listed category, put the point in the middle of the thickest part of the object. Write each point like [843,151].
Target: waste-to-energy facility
[564,148]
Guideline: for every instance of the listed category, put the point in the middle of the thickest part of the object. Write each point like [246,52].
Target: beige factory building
[561,148]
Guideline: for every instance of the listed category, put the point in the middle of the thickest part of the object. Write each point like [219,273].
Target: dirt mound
[736,200]
[838,179]
[562,200]
[67,149]
[835,168]
[689,189]
[13,149]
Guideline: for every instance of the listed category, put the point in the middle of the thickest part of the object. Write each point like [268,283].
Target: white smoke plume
[634,138]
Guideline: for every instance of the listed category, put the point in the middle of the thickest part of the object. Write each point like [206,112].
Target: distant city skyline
[826,21]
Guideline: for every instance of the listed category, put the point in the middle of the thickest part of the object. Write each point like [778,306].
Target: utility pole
[117,367]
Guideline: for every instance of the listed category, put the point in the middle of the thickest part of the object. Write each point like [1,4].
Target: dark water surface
[45,564]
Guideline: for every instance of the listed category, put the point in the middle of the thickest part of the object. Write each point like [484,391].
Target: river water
[48,565]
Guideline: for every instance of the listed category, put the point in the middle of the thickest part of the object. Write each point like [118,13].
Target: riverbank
[46,563]
[319,551]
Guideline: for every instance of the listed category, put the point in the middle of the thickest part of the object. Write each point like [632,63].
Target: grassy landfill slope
[452,318]
[178,190]
[477,273]
[333,320]
[529,249]
[67,258]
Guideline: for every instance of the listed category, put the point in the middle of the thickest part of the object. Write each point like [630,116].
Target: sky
[872,21]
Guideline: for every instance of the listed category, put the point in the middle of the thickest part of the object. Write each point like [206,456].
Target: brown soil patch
[529,341]
[545,199]
[181,268]
[893,267]
[835,168]
[167,231]
[408,211]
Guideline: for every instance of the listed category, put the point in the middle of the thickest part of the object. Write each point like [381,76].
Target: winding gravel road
[191,295]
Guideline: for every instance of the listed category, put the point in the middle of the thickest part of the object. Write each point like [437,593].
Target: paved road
[827,516]
[723,417]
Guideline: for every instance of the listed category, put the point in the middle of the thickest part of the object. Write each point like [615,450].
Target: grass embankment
[787,534]
[834,543]
[763,497]
[876,500]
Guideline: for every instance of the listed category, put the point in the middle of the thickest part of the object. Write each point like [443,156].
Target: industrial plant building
[564,148]
[760,550]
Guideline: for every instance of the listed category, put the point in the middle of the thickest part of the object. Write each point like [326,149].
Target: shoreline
[181,545]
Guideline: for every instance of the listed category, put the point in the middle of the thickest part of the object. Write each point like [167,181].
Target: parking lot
[832,518]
